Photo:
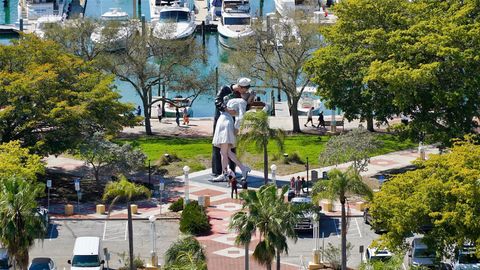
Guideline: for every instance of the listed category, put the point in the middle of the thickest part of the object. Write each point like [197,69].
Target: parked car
[375,254]
[465,259]
[4,263]
[305,222]
[42,264]
[421,255]
[87,254]
[368,219]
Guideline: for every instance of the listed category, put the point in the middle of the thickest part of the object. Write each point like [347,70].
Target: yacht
[309,100]
[173,22]
[44,22]
[176,102]
[235,22]
[114,40]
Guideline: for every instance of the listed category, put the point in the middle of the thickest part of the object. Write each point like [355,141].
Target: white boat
[31,10]
[43,23]
[308,100]
[116,20]
[235,22]
[176,102]
[173,22]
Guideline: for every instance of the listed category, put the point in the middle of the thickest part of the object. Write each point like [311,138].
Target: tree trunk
[278,260]
[269,266]
[265,163]
[344,235]
[294,110]
[370,124]
[146,114]
[130,235]
[247,256]
[22,259]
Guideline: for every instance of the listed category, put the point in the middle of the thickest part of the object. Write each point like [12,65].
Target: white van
[87,254]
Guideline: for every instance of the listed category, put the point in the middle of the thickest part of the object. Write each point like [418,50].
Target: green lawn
[196,152]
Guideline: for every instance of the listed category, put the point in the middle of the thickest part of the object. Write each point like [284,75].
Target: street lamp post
[49,186]
[274,178]
[307,176]
[186,169]
[154,258]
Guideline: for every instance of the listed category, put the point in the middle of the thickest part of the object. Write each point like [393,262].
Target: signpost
[79,194]
[49,186]
[161,188]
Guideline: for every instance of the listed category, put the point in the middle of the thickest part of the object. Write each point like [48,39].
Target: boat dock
[203,20]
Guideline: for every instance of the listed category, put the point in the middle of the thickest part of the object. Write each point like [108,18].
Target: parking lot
[60,240]
[358,234]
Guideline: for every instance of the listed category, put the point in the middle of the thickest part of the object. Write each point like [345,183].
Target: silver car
[466,259]
[42,264]
[420,254]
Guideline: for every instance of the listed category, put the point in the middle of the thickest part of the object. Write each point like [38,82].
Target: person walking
[186,119]
[177,116]
[310,117]
[139,111]
[298,186]
[233,185]
[304,184]
[159,113]
[244,184]
[321,120]
[292,183]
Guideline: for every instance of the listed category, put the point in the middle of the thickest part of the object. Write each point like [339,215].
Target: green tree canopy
[412,57]
[443,192]
[17,161]
[50,99]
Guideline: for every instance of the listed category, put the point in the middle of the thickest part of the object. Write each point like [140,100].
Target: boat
[178,101]
[304,9]
[173,22]
[308,100]
[31,10]
[235,22]
[45,22]
[115,40]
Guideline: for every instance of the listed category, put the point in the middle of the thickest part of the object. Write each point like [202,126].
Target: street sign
[49,183]
[162,185]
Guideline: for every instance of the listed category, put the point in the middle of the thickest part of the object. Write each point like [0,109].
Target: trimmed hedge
[194,219]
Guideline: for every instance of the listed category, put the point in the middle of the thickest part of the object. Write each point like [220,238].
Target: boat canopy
[236,20]
[174,16]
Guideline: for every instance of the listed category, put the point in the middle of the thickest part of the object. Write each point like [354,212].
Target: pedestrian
[298,186]
[304,184]
[177,116]
[321,120]
[310,117]
[292,183]
[233,185]
[186,119]
[139,110]
[159,113]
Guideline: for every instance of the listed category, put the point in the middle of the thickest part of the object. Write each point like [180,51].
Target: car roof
[418,242]
[86,246]
[41,260]
[301,200]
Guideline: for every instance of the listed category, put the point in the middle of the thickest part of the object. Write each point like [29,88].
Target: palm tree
[185,254]
[19,223]
[339,185]
[265,210]
[256,129]
[125,190]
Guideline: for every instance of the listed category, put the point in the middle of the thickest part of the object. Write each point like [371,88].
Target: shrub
[333,255]
[137,262]
[293,158]
[187,244]
[194,219]
[176,206]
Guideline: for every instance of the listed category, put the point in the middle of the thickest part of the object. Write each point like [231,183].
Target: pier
[203,21]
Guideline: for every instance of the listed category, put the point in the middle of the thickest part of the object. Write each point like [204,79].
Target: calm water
[203,105]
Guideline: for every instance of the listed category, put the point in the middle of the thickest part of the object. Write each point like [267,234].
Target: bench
[338,123]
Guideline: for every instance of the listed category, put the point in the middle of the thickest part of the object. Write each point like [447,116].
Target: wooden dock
[202,18]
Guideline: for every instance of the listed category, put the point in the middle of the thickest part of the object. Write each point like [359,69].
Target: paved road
[61,238]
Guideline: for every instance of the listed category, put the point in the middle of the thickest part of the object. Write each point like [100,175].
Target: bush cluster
[194,219]
[176,206]
[293,158]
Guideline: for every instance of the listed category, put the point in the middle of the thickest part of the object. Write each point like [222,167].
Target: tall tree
[148,61]
[276,56]
[265,210]
[338,186]
[444,192]
[19,224]
[124,190]
[50,98]
[17,161]
[255,129]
